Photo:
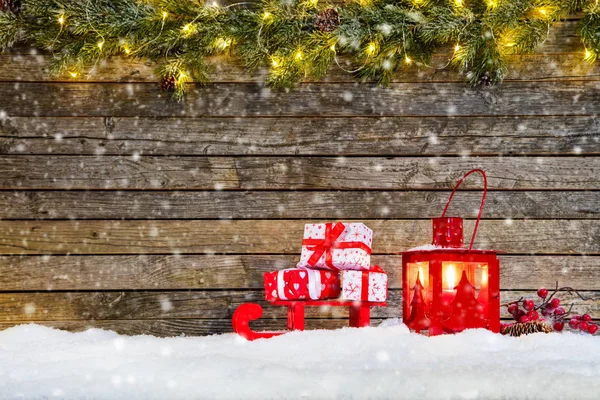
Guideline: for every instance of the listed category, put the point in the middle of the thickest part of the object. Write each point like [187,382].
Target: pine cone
[13,6]
[485,79]
[168,84]
[519,329]
[327,20]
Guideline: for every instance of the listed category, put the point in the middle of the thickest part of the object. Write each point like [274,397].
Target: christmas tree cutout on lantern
[418,320]
[466,311]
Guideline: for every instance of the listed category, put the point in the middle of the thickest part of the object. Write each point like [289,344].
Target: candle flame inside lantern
[451,276]
[484,276]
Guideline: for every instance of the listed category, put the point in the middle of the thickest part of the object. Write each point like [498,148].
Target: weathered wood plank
[292,173]
[24,67]
[23,64]
[178,327]
[340,99]
[301,136]
[25,307]
[36,205]
[278,237]
[164,272]
[156,305]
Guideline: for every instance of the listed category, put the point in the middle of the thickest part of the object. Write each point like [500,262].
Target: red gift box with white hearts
[369,285]
[301,284]
[336,246]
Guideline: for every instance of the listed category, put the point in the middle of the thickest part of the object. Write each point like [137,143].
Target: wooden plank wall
[121,209]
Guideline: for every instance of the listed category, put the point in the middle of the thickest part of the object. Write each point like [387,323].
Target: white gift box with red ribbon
[369,285]
[337,246]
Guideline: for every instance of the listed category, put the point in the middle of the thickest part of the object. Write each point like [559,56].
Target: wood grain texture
[340,99]
[278,237]
[81,205]
[168,272]
[182,327]
[24,67]
[27,307]
[293,173]
[549,62]
[437,136]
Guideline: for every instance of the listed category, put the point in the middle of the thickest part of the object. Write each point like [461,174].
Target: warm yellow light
[186,28]
[457,47]
[274,62]
[458,3]
[491,4]
[127,51]
[332,47]
[298,55]
[451,276]
[100,45]
[511,44]
[266,15]
[484,277]
[73,74]
[215,4]
[407,60]
[182,76]
[61,20]
[222,43]
[371,48]
[165,15]
[542,11]
[588,55]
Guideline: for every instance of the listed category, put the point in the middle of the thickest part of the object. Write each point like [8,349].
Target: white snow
[385,362]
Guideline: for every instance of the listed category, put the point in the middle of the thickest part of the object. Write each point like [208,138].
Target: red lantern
[448,288]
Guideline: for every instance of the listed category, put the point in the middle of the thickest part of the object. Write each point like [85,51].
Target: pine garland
[294,39]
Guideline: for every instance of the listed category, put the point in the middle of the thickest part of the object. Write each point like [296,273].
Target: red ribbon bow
[326,245]
[364,290]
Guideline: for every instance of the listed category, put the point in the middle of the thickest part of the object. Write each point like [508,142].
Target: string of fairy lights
[293,39]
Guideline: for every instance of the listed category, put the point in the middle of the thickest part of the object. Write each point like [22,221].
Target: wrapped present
[301,284]
[369,285]
[339,246]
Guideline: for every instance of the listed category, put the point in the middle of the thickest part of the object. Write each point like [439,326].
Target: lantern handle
[480,207]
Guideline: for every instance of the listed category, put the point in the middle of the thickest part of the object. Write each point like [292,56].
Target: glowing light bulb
[332,47]
[458,3]
[266,15]
[542,11]
[371,48]
[589,56]
[274,62]
[456,48]
[61,20]
[407,59]
[186,28]
[222,43]
[491,4]
[298,55]
[165,15]
[100,45]
[73,74]
[127,51]
[215,4]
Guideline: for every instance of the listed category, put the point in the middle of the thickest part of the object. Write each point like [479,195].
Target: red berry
[543,292]
[574,323]
[513,308]
[593,328]
[583,326]
[555,302]
[576,317]
[558,326]
[524,319]
[547,311]
[586,317]
[559,311]
[533,315]
[528,304]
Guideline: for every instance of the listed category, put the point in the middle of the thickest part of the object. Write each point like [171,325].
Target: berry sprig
[551,310]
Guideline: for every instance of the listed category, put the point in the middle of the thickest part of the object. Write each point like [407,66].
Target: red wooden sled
[359,315]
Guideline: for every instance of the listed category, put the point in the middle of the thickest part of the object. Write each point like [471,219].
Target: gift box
[369,285]
[339,246]
[301,284]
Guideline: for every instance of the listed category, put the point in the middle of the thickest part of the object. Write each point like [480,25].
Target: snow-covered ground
[371,363]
